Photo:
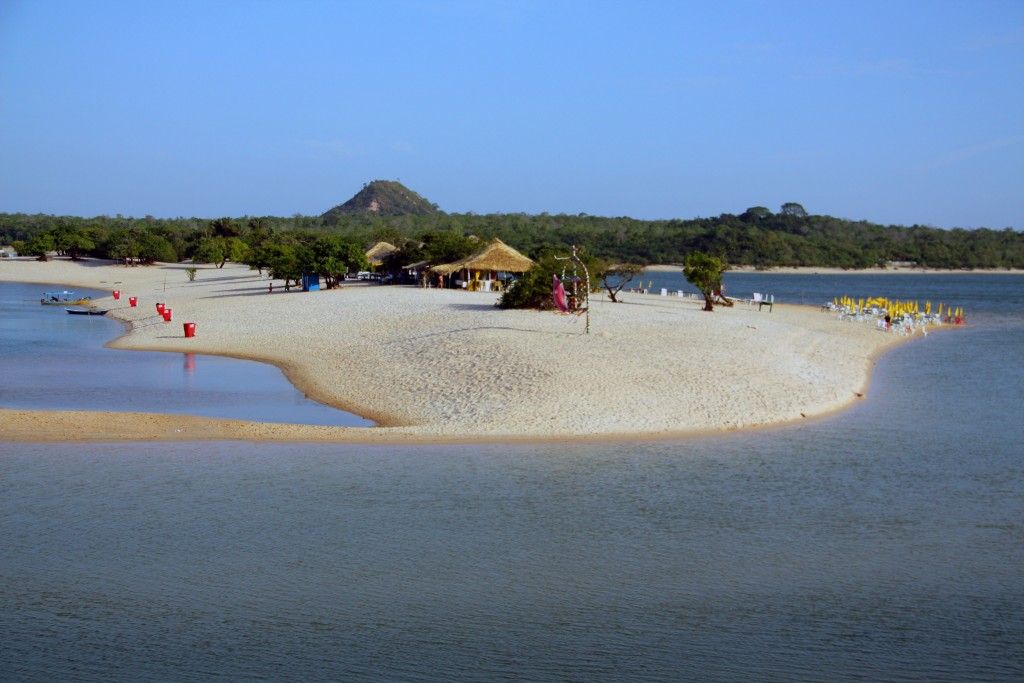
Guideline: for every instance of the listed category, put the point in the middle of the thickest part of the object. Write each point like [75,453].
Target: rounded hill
[382,198]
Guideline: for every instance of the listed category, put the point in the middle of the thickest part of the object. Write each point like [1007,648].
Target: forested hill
[756,237]
[382,198]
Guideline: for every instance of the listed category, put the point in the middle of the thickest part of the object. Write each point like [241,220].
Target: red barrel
[132,301]
[160,309]
[117,294]
[167,315]
[190,329]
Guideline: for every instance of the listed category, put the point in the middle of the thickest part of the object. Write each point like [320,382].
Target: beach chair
[768,301]
[756,299]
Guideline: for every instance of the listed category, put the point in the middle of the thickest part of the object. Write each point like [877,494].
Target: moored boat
[85,311]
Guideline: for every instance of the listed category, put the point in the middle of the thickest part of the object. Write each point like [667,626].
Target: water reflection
[882,544]
[55,361]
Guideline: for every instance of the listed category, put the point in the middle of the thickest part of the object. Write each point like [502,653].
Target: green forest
[756,237]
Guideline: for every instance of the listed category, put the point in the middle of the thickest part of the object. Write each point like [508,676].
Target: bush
[533,289]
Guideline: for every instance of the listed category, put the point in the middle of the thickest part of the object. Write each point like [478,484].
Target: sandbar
[445,366]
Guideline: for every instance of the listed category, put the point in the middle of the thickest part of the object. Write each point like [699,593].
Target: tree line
[756,237]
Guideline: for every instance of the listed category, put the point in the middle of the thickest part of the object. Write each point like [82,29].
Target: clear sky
[894,112]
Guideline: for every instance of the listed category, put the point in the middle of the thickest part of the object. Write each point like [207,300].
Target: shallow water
[992,296]
[55,361]
[885,543]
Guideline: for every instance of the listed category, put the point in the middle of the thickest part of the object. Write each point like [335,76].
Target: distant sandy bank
[811,270]
[447,366]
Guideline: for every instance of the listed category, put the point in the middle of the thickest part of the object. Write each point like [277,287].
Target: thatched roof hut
[496,256]
[378,252]
[445,268]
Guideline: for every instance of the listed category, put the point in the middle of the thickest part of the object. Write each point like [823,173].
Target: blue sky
[894,112]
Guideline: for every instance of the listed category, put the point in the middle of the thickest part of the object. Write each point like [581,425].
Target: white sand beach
[444,365]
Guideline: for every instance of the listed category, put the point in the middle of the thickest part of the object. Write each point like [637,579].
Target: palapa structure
[378,252]
[482,269]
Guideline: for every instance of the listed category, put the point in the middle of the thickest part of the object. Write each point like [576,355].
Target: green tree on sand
[704,272]
[619,275]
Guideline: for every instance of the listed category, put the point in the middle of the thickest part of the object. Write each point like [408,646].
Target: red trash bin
[132,301]
[190,329]
[159,309]
[167,315]
[117,294]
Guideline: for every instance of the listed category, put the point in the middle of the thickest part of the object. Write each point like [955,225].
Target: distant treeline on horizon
[757,237]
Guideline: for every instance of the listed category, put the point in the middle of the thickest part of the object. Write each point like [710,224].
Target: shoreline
[37,426]
[443,366]
[824,270]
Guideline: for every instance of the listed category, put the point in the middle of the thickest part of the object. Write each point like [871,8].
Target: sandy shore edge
[825,363]
[815,270]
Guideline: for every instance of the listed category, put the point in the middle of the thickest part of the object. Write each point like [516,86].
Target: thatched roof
[495,256]
[375,254]
[445,268]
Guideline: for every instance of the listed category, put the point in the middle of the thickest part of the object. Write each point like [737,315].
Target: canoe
[77,311]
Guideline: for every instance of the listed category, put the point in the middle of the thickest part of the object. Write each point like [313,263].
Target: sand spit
[447,366]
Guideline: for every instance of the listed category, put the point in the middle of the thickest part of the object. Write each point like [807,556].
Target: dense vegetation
[756,237]
[533,289]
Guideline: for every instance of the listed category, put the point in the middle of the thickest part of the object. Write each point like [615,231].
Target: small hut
[416,272]
[378,252]
[489,268]
[310,282]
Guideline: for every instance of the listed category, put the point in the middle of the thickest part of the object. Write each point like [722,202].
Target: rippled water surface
[885,543]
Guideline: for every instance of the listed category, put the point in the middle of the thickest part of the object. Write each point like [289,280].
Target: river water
[56,361]
[884,543]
